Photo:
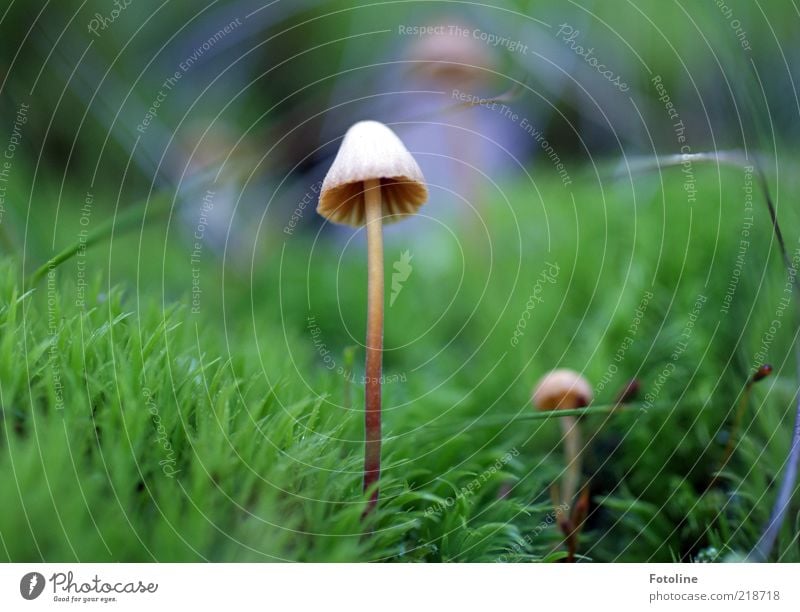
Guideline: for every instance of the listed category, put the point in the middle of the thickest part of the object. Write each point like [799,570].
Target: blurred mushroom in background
[461,133]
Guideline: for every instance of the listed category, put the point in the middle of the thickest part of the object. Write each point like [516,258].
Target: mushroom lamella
[345,204]
[371,151]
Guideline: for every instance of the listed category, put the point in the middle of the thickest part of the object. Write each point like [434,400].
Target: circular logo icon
[31,585]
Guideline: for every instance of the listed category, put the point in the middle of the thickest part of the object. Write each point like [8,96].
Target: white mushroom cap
[370,150]
[562,390]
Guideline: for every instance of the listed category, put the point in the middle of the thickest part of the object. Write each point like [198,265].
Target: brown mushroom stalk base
[372,418]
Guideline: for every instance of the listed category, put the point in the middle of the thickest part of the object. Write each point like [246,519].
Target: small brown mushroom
[565,389]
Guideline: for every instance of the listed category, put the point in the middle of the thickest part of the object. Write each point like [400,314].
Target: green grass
[224,436]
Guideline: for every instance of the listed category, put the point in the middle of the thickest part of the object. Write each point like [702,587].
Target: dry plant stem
[737,425]
[572,527]
[572,456]
[730,446]
[372,415]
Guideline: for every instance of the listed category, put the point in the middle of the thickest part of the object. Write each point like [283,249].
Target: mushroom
[455,60]
[372,179]
[462,65]
[565,389]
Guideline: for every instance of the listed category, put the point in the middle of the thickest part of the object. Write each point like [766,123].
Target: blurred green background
[199,135]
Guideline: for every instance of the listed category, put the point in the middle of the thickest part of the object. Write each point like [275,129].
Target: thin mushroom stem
[572,520]
[565,392]
[573,459]
[372,415]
